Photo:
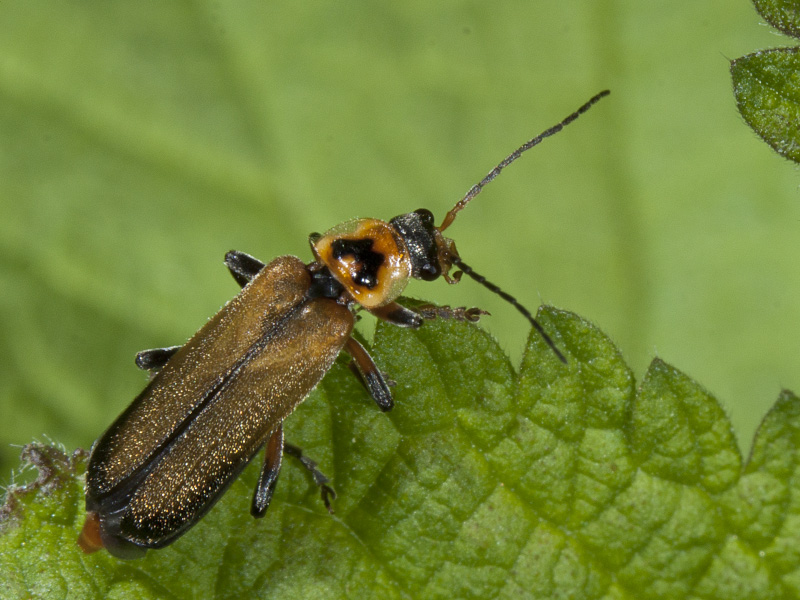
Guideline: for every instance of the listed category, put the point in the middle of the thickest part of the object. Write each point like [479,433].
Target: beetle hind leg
[320,479]
[273,457]
[265,487]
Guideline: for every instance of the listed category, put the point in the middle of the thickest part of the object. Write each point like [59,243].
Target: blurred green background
[141,141]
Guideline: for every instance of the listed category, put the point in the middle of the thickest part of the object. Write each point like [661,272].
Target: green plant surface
[559,481]
[781,14]
[137,146]
[766,83]
[768,96]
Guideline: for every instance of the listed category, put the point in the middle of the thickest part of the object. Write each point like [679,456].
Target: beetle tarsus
[319,477]
[327,494]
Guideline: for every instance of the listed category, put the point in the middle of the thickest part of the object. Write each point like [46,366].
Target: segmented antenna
[511,300]
[476,189]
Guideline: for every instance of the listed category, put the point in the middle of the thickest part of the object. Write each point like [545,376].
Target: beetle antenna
[511,300]
[476,189]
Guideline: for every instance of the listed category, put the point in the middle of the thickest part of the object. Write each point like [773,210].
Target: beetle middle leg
[243,267]
[368,373]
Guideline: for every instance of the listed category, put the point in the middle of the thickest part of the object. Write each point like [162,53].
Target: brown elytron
[215,401]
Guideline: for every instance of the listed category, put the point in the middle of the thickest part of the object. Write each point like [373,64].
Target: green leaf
[781,14]
[560,481]
[767,89]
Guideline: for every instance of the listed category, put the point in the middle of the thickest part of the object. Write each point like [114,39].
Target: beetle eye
[430,271]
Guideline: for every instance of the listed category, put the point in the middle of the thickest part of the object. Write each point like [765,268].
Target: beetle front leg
[398,315]
[154,359]
[242,266]
[369,374]
[429,312]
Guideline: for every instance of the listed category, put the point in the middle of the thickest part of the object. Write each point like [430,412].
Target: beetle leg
[242,266]
[153,360]
[89,540]
[319,477]
[369,374]
[404,317]
[273,453]
[398,315]
[430,312]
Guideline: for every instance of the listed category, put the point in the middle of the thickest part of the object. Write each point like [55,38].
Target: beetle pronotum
[215,401]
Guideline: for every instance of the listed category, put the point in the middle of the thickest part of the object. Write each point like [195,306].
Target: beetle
[212,403]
